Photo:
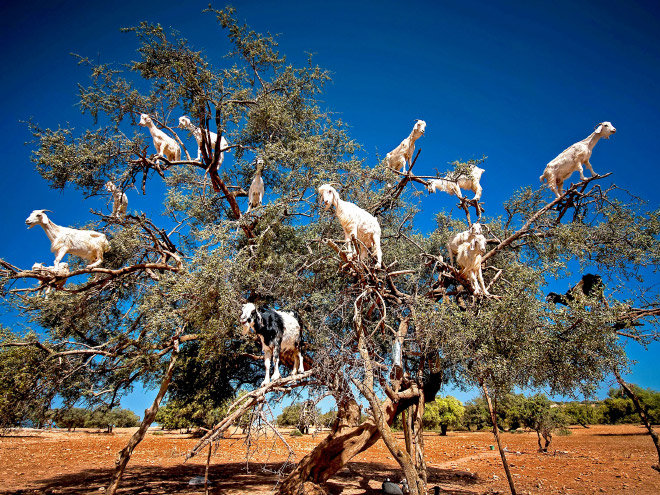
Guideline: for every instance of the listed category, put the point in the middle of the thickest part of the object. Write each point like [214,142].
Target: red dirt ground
[600,459]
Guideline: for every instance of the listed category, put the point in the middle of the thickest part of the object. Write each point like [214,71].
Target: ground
[600,459]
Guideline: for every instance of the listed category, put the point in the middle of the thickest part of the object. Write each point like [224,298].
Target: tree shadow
[142,479]
[634,434]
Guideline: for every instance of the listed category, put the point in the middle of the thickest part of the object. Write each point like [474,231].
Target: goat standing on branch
[166,146]
[462,238]
[280,335]
[87,244]
[469,258]
[572,158]
[450,186]
[211,138]
[256,192]
[119,200]
[402,154]
[356,222]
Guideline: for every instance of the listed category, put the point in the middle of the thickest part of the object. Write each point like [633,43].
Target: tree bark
[149,416]
[642,414]
[334,452]
[496,432]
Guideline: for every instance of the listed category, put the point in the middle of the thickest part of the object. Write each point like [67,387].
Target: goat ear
[598,128]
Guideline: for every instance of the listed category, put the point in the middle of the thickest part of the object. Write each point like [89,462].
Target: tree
[164,306]
[583,413]
[101,418]
[443,412]
[70,418]
[539,415]
[619,408]
[290,415]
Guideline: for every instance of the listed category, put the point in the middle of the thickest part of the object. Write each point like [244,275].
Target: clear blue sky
[516,81]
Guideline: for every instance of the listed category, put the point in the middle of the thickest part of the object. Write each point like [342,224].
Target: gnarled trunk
[345,441]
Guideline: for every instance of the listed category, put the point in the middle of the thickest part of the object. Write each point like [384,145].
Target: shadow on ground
[359,478]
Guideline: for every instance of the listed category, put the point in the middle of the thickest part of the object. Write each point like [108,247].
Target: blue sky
[516,81]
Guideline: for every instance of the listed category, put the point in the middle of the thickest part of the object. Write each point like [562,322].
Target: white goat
[87,244]
[461,238]
[468,258]
[46,273]
[444,185]
[356,222]
[256,192]
[397,158]
[471,182]
[165,145]
[120,201]
[572,158]
[211,138]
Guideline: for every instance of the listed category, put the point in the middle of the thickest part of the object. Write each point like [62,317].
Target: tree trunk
[149,416]
[642,414]
[496,432]
[406,422]
[420,463]
[343,443]
[443,429]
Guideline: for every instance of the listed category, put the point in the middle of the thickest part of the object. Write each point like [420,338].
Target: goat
[461,238]
[444,185]
[356,222]
[47,273]
[468,258]
[454,187]
[256,192]
[120,201]
[589,285]
[165,145]
[280,334]
[211,137]
[87,244]
[472,181]
[397,158]
[572,158]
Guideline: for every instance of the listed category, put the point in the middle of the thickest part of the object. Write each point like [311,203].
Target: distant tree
[443,413]
[583,413]
[476,416]
[539,414]
[290,415]
[101,418]
[619,408]
[70,418]
[123,418]
[327,419]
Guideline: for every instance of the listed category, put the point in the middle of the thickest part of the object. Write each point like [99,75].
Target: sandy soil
[600,459]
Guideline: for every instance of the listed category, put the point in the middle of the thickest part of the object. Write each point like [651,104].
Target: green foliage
[619,408]
[75,417]
[444,413]
[27,380]
[290,415]
[584,413]
[476,416]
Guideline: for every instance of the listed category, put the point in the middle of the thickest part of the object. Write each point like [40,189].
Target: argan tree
[173,286]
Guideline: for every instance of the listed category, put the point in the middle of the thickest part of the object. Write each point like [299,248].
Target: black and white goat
[590,285]
[280,334]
